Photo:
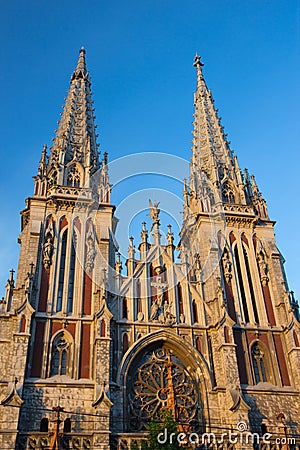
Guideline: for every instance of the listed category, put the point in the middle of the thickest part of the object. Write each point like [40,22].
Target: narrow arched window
[125,343]
[195,312]
[226,335]
[62,268]
[198,344]
[44,425]
[73,177]
[67,425]
[72,275]
[259,363]
[256,318]
[241,284]
[60,356]
[180,300]
[22,326]
[125,309]
[102,328]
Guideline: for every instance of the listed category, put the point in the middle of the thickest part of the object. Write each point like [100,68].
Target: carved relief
[90,248]
[263,268]
[227,266]
[48,244]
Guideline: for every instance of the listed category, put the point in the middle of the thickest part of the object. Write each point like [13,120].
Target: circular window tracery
[161,382]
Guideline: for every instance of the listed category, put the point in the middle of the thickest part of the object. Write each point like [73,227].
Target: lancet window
[73,177]
[62,269]
[227,193]
[60,356]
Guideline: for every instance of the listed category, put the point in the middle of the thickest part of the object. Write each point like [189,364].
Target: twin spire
[213,164]
[74,155]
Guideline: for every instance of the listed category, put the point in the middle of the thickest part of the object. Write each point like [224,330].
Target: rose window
[161,382]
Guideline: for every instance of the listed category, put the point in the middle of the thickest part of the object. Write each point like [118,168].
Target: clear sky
[140,56]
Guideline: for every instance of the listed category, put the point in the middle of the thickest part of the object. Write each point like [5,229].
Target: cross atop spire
[197,61]
[80,71]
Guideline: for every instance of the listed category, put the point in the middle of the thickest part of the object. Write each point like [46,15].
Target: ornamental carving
[48,244]
[227,266]
[263,268]
[90,249]
[161,382]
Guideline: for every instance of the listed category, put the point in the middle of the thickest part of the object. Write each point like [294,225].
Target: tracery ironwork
[161,382]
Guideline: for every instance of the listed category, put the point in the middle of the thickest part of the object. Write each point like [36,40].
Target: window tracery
[227,193]
[161,382]
[73,177]
[60,357]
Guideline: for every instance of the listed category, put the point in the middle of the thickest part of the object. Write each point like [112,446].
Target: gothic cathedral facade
[89,354]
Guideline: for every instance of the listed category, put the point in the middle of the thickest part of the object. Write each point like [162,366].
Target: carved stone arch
[262,367]
[74,175]
[153,354]
[63,224]
[231,237]
[77,224]
[61,354]
[24,312]
[103,317]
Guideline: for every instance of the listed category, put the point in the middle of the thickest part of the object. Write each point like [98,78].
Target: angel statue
[154,213]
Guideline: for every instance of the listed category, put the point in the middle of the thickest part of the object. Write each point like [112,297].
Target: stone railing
[41,441]
[128,441]
[69,191]
[240,209]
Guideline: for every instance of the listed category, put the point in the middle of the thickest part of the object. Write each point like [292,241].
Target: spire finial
[197,61]
[81,65]
[154,214]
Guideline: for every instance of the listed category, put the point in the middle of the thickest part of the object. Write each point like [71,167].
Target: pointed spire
[43,162]
[212,157]
[76,138]
[80,70]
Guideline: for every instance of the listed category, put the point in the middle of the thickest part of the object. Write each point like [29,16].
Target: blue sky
[140,56]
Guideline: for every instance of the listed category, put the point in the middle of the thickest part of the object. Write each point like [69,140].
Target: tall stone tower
[89,354]
[52,353]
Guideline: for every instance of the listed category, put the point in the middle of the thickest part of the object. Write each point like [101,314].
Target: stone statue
[90,249]
[154,213]
[263,268]
[48,244]
[154,310]
[227,265]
